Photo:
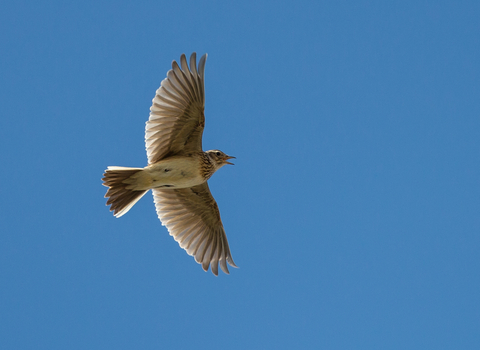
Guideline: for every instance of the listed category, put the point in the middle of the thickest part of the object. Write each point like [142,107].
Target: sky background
[352,210]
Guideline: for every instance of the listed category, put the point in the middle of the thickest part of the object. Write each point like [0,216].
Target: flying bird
[178,168]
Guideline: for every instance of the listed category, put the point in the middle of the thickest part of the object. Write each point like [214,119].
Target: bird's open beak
[227,158]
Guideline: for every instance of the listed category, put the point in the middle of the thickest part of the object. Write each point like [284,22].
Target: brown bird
[178,169]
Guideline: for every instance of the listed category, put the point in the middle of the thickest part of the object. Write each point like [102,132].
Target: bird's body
[178,169]
[173,172]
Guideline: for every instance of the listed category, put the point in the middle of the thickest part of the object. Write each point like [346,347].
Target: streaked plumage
[178,169]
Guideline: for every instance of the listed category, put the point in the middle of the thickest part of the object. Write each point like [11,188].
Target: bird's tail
[121,198]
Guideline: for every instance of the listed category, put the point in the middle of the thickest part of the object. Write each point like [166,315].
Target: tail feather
[120,199]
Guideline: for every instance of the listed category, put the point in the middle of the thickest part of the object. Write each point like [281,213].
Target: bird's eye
[217,153]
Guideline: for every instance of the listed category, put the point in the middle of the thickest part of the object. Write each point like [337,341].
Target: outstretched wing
[192,217]
[176,117]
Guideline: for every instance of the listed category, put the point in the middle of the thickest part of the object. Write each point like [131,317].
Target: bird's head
[219,158]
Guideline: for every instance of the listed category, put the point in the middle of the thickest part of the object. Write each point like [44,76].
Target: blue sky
[352,210]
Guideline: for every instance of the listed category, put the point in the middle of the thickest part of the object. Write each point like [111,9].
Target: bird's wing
[193,219]
[176,117]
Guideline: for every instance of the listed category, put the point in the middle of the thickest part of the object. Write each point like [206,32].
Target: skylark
[178,169]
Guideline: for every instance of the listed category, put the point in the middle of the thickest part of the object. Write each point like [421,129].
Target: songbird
[178,169]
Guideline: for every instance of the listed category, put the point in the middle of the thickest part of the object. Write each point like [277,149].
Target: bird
[178,168]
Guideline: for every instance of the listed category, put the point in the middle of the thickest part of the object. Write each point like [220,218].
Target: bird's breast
[176,172]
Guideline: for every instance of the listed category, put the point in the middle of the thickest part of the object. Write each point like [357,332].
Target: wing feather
[192,217]
[177,118]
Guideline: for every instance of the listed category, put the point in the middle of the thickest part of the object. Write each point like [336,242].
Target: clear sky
[352,210]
